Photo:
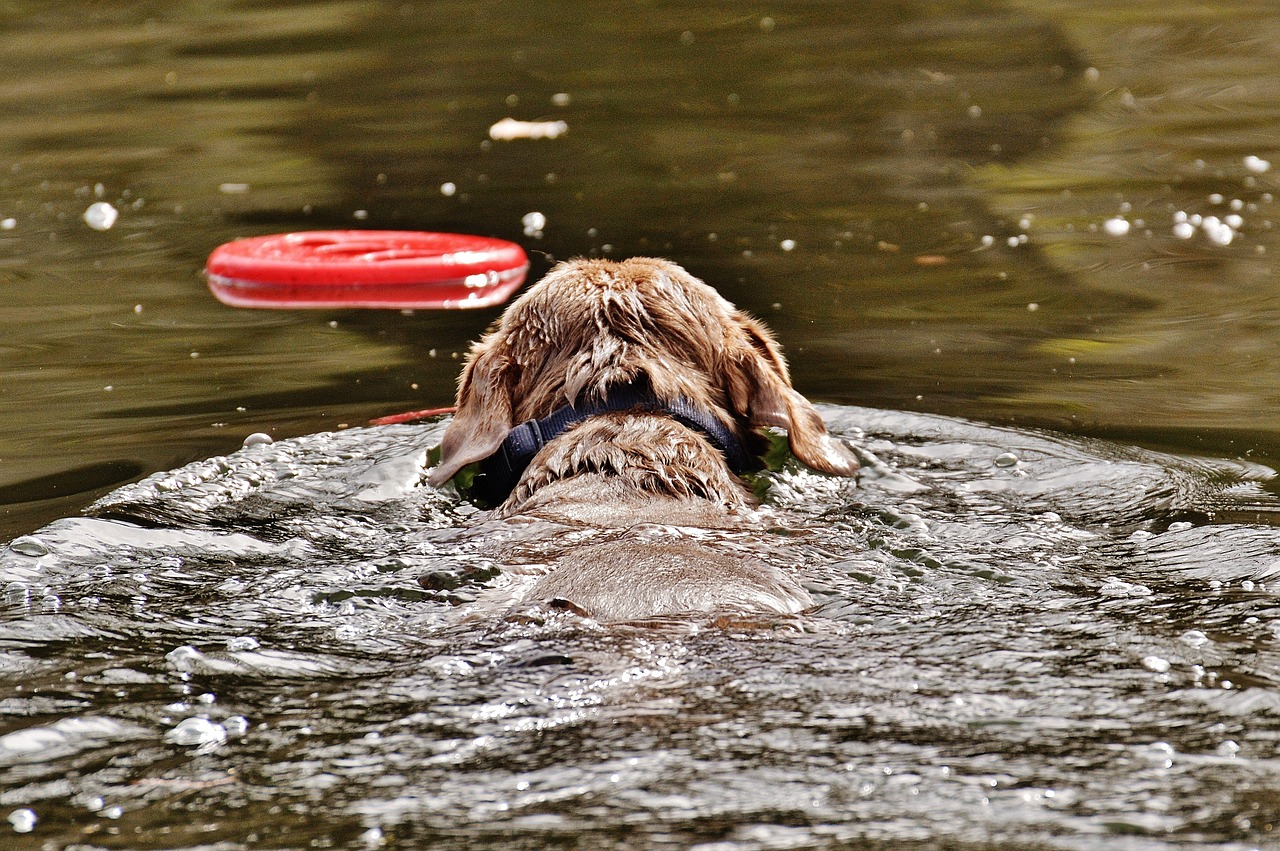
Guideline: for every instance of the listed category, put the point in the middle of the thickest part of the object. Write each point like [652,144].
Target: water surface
[922,199]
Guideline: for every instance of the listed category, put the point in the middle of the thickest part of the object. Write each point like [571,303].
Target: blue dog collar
[499,473]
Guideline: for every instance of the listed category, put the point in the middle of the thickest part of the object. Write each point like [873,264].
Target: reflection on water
[916,198]
[924,200]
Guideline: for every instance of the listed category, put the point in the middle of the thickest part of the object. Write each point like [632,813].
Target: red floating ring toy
[366,268]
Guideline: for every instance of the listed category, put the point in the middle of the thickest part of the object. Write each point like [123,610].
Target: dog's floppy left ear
[484,415]
[761,391]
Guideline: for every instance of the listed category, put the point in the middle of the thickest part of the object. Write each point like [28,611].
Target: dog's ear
[761,392]
[484,414]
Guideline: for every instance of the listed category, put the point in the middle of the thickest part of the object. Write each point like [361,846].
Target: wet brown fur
[593,324]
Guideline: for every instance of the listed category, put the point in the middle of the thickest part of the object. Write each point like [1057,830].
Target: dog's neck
[499,473]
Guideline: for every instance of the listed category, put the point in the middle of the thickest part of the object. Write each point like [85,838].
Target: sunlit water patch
[1018,639]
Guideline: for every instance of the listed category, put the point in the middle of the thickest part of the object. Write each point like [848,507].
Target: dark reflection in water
[913,195]
[1011,212]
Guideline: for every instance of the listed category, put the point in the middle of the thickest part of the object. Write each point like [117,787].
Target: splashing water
[1019,639]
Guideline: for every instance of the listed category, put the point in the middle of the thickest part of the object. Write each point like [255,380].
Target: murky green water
[922,199]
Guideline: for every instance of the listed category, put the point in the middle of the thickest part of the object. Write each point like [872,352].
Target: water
[1055,642]
[1070,649]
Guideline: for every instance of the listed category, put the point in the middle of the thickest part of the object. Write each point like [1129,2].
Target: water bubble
[1006,459]
[113,812]
[1155,663]
[561,99]
[787,244]
[8,224]
[1219,232]
[101,215]
[236,725]
[373,838]
[1257,165]
[241,643]
[17,594]
[23,820]
[533,224]
[258,438]
[1116,226]
[1179,526]
[448,190]
[197,732]
[1234,220]
[1194,638]
[1184,230]
[29,545]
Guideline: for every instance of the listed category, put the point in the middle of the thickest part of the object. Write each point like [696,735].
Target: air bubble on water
[241,643]
[8,224]
[258,438]
[1157,664]
[1117,226]
[1179,526]
[1194,638]
[1257,165]
[533,224]
[787,245]
[1184,230]
[1233,221]
[373,838]
[561,99]
[1219,232]
[1006,459]
[236,725]
[198,732]
[101,215]
[28,545]
[23,820]
[448,189]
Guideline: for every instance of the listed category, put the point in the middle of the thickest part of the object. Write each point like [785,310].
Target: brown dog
[623,397]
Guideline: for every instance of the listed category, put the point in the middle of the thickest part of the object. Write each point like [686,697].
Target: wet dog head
[591,325]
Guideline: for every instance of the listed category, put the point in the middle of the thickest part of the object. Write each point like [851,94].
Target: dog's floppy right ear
[760,390]
[484,414]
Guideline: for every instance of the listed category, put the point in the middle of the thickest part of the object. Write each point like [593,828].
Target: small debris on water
[233,188]
[511,128]
[101,215]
